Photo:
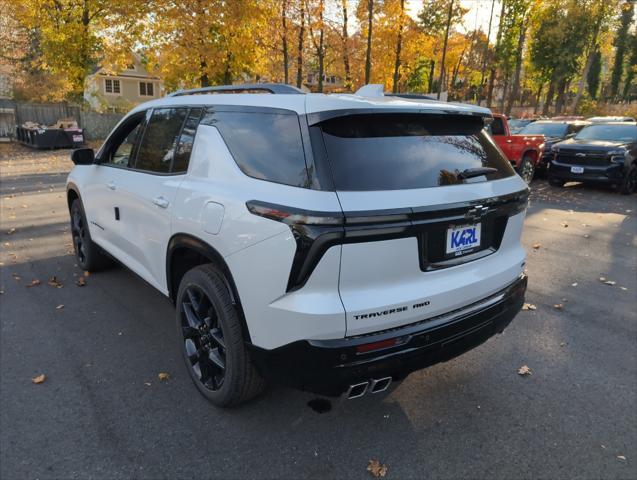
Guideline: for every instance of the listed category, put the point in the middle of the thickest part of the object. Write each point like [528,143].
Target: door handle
[112,185]
[509,141]
[161,202]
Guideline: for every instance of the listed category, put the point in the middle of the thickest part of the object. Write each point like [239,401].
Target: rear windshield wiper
[476,172]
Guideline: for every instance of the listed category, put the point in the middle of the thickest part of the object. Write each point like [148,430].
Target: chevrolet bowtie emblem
[476,213]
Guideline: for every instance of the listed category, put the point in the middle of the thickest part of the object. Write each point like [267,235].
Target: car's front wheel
[211,339]
[629,184]
[89,256]
[527,169]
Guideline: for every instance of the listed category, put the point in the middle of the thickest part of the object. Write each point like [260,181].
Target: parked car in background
[600,153]
[517,124]
[608,119]
[523,151]
[331,243]
[553,132]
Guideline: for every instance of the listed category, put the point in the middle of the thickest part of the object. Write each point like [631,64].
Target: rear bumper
[612,173]
[328,367]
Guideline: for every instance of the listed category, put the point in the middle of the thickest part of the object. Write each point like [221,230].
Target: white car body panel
[393,279]
[209,203]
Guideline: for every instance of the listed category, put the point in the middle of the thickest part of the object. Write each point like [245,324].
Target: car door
[147,192]
[99,191]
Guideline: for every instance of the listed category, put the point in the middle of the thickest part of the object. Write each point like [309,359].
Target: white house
[106,90]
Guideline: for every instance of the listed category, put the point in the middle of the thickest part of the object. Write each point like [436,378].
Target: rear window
[404,151]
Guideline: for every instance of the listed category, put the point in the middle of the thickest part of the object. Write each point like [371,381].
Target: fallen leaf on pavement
[558,306]
[621,457]
[564,224]
[524,370]
[16,277]
[80,282]
[59,307]
[11,231]
[529,306]
[536,246]
[376,468]
[54,282]
[163,376]
[34,283]
[39,379]
[610,282]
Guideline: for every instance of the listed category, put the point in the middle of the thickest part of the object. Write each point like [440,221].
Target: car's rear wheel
[556,182]
[629,184]
[89,255]
[211,339]
[527,169]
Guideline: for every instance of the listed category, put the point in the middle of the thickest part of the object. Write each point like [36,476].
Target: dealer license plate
[577,169]
[463,239]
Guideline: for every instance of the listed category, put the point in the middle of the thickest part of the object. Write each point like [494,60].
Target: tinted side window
[496,127]
[160,140]
[186,140]
[122,144]
[266,146]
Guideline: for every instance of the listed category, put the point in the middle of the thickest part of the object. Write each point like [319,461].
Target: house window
[146,89]
[112,86]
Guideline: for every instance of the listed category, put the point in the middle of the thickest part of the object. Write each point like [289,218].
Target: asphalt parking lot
[103,413]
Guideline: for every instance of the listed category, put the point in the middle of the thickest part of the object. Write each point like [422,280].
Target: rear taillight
[293,216]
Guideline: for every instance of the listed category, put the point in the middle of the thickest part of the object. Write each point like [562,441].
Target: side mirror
[571,135]
[83,156]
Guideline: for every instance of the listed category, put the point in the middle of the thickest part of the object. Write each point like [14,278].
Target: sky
[476,17]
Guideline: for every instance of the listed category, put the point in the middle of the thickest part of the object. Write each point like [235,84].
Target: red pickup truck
[523,151]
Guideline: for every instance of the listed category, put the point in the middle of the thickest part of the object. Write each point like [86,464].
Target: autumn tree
[316,23]
[621,44]
[345,45]
[557,43]
[600,13]
[433,19]
[70,37]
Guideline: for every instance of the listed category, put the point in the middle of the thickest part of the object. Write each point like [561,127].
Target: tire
[89,256]
[212,343]
[555,182]
[527,169]
[629,184]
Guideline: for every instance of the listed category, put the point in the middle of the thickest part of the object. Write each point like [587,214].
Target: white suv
[330,242]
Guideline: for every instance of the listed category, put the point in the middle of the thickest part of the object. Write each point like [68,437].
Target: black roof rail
[277,88]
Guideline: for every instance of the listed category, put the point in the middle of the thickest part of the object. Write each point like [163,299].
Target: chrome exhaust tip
[357,390]
[380,385]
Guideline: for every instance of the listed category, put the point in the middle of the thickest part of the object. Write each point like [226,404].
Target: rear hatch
[429,203]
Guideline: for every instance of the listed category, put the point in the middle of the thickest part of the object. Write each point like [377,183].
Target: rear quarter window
[407,151]
[266,146]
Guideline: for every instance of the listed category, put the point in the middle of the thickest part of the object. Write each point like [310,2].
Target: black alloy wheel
[204,343]
[79,233]
[213,340]
[629,185]
[89,255]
